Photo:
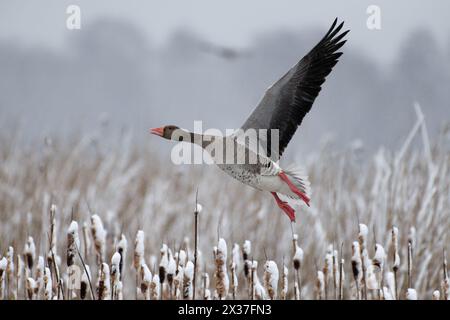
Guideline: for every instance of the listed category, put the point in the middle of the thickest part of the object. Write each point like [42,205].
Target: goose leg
[293,188]
[285,207]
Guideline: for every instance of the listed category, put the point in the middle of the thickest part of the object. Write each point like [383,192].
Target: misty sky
[143,64]
[233,22]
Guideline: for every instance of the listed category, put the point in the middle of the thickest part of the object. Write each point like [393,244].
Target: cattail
[19,272]
[411,247]
[379,257]
[146,280]
[246,251]
[138,258]
[154,288]
[271,279]
[284,283]
[328,269]
[188,276]
[445,282]
[378,262]
[99,236]
[10,274]
[73,243]
[104,284]
[182,258]
[52,250]
[85,282]
[387,294]
[178,281]
[31,288]
[298,261]
[335,273]
[119,290]
[362,239]
[40,269]
[122,250]
[390,281]
[30,253]
[296,291]
[234,265]
[411,294]
[341,279]
[396,259]
[222,282]
[371,279]
[356,267]
[171,271]
[436,295]
[115,273]
[206,291]
[48,287]
[320,285]
[258,289]
[163,264]
[3,265]
[139,249]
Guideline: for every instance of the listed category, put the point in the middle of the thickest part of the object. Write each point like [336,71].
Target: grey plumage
[286,102]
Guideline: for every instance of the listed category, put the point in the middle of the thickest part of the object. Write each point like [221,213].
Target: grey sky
[231,22]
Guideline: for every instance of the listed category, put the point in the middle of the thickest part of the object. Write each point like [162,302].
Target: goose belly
[241,173]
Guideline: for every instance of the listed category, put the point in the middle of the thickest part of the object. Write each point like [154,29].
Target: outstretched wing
[286,102]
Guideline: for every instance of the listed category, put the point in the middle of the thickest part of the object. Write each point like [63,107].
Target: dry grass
[112,193]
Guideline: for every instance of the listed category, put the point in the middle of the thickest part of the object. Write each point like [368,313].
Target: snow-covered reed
[400,196]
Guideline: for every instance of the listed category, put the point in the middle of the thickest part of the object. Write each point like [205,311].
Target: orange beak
[157,131]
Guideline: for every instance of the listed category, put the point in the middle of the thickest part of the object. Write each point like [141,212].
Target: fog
[113,71]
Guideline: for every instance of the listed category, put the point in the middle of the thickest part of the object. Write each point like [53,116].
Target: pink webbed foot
[293,188]
[285,207]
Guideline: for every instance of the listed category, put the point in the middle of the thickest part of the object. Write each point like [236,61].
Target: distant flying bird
[280,111]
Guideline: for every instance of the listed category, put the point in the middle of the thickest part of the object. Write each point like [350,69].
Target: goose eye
[180,138]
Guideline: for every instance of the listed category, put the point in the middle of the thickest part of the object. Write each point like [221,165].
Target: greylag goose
[254,161]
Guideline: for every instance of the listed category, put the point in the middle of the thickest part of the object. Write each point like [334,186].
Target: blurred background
[140,64]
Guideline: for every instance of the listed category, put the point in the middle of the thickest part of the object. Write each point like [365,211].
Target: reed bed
[84,221]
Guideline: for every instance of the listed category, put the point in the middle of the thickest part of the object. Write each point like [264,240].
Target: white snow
[171,266]
[247,247]
[298,256]
[235,256]
[182,258]
[97,224]
[411,294]
[115,260]
[436,295]
[199,208]
[147,274]
[271,278]
[123,244]
[380,255]
[73,231]
[84,277]
[139,249]
[222,248]
[363,232]
[3,264]
[189,270]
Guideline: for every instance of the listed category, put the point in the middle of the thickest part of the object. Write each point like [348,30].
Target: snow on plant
[99,236]
[222,281]
[73,242]
[271,279]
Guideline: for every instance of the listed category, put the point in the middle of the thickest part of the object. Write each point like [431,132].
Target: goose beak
[157,131]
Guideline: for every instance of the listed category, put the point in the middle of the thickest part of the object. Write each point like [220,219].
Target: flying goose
[280,112]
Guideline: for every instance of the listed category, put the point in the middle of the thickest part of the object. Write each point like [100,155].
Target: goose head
[171,132]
